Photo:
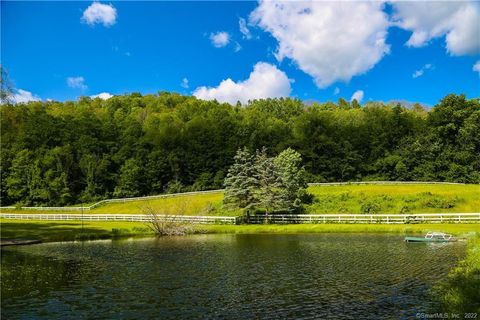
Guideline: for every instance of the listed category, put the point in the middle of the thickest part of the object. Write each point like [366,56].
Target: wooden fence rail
[368,218]
[258,219]
[120,217]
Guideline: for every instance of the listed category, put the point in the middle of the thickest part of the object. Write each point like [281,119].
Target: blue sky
[62,50]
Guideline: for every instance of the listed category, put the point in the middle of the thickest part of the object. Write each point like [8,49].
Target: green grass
[355,199]
[72,230]
[199,205]
[460,293]
[391,199]
[456,229]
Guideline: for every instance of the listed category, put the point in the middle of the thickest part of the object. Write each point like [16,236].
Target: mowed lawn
[354,199]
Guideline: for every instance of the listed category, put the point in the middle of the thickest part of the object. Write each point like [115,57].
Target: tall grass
[460,293]
[355,199]
[391,199]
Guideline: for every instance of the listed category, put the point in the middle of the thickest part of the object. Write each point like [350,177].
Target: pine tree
[271,195]
[241,182]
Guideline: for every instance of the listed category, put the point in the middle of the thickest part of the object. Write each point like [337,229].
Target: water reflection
[225,276]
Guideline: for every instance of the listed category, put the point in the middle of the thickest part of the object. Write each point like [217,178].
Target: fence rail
[120,217]
[258,219]
[326,184]
[368,218]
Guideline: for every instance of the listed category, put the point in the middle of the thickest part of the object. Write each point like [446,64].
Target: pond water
[225,276]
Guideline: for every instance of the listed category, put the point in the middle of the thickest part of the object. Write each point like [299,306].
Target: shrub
[370,207]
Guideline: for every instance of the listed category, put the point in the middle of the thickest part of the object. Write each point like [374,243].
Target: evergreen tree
[271,194]
[292,174]
[241,182]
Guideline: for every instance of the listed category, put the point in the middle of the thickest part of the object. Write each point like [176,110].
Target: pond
[225,276]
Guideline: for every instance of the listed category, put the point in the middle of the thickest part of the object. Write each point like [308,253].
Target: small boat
[432,237]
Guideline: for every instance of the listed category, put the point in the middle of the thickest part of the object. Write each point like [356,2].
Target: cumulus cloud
[357,95]
[421,71]
[220,39]
[103,96]
[336,91]
[458,21]
[244,29]
[184,84]
[265,81]
[330,41]
[76,83]
[100,13]
[24,96]
[476,67]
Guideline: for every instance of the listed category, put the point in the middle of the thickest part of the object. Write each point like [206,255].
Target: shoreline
[54,231]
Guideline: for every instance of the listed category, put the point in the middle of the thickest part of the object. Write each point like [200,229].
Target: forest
[62,153]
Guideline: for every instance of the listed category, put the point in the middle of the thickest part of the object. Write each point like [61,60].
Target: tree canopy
[58,153]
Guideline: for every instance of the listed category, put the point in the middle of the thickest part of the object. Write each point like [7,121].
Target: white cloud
[358,95]
[23,96]
[76,83]
[418,73]
[459,21]
[330,41]
[336,91]
[184,83]
[103,96]
[265,81]
[421,71]
[97,12]
[476,67]
[244,29]
[220,39]
[238,47]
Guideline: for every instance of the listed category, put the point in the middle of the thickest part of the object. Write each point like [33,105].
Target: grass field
[72,230]
[355,199]
[412,198]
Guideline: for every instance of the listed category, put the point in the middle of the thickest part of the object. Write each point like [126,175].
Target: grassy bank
[460,293]
[72,230]
[355,199]
[456,229]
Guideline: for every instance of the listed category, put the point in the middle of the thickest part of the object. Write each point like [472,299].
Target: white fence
[326,184]
[368,218]
[258,219]
[120,217]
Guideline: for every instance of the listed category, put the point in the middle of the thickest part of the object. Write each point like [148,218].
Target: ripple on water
[225,276]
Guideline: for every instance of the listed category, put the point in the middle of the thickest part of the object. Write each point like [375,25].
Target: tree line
[60,153]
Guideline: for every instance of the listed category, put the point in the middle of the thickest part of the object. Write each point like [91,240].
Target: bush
[370,207]
[439,203]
